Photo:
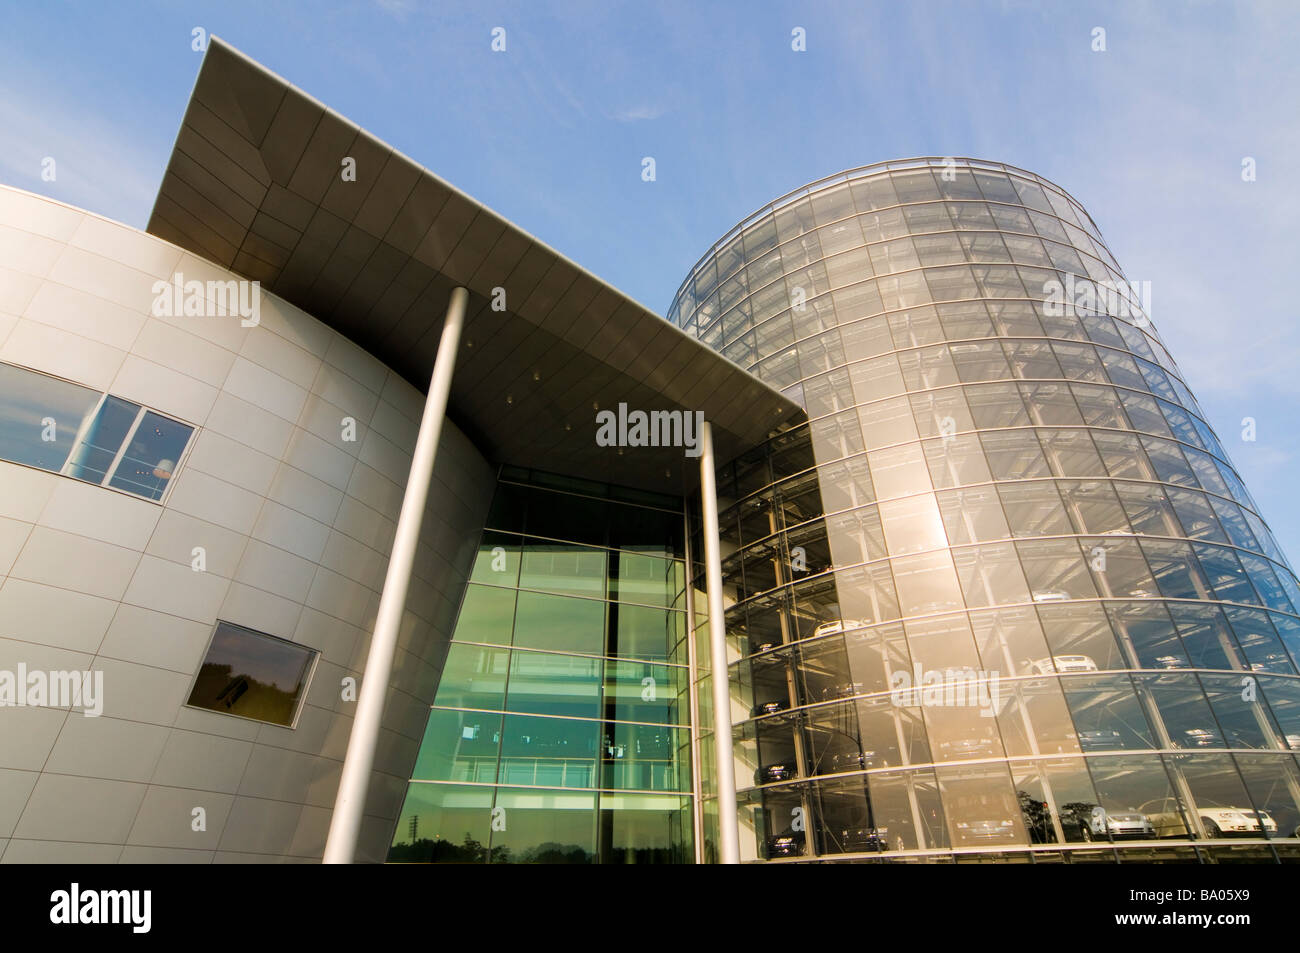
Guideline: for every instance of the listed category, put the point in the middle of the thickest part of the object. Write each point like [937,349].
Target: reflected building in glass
[1003,595]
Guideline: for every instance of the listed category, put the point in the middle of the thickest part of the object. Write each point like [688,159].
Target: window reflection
[1080,637]
[1219,805]
[459,746]
[150,457]
[102,438]
[63,427]
[28,403]
[553,827]
[907,805]
[443,824]
[982,806]
[1107,714]
[1058,802]
[252,675]
[473,676]
[1136,798]
[1273,786]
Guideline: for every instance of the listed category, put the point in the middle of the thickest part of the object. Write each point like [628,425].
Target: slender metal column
[728,823]
[349,804]
[693,676]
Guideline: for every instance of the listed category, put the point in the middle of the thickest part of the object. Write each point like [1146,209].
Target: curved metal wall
[294,518]
[1009,499]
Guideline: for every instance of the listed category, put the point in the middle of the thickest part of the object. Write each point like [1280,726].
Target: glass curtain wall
[560,730]
[1007,499]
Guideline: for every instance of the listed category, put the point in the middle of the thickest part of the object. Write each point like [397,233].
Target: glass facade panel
[556,567]
[474,676]
[486,615]
[459,746]
[560,623]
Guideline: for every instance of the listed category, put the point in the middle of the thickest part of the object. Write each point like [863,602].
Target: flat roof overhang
[254,184]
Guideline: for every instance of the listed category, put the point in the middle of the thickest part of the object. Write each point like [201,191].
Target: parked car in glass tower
[839,625]
[1218,820]
[1100,739]
[1221,820]
[1060,663]
[842,690]
[769,707]
[975,744]
[852,761]
[1274,662]
[1130,823]
[1051,595]
[1199,738]
[776,771]
[789,843]
[862,837]
[985,829]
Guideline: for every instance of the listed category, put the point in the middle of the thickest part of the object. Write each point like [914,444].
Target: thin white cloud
[639,113]
[398,8]
[96,166]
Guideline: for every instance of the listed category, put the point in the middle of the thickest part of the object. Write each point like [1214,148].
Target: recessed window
[253,675]
[66,428]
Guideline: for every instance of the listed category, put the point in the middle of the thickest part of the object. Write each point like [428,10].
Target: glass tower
[560,729]
[1004,596]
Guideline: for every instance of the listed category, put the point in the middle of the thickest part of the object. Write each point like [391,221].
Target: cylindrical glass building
[1004,596]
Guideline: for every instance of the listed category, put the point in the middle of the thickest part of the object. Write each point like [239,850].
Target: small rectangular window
[253,675]
[65,428]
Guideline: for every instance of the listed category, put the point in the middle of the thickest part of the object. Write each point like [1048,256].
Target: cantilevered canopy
[255,183]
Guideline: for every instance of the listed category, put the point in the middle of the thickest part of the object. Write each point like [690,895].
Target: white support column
[349,804]
[693,675]
[728,823]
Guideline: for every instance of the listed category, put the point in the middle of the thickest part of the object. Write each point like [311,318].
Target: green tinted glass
[473,676]
[549,752]
[639,691]
[548,684]
[645,829]
[486,615]
[642,758]
[545,827]
[643,632]
[647,580]
[459,746]
[560,623]
[497,562]
[443,824]
[560,567]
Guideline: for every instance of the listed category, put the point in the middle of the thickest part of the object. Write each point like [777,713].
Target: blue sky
[1149,135]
